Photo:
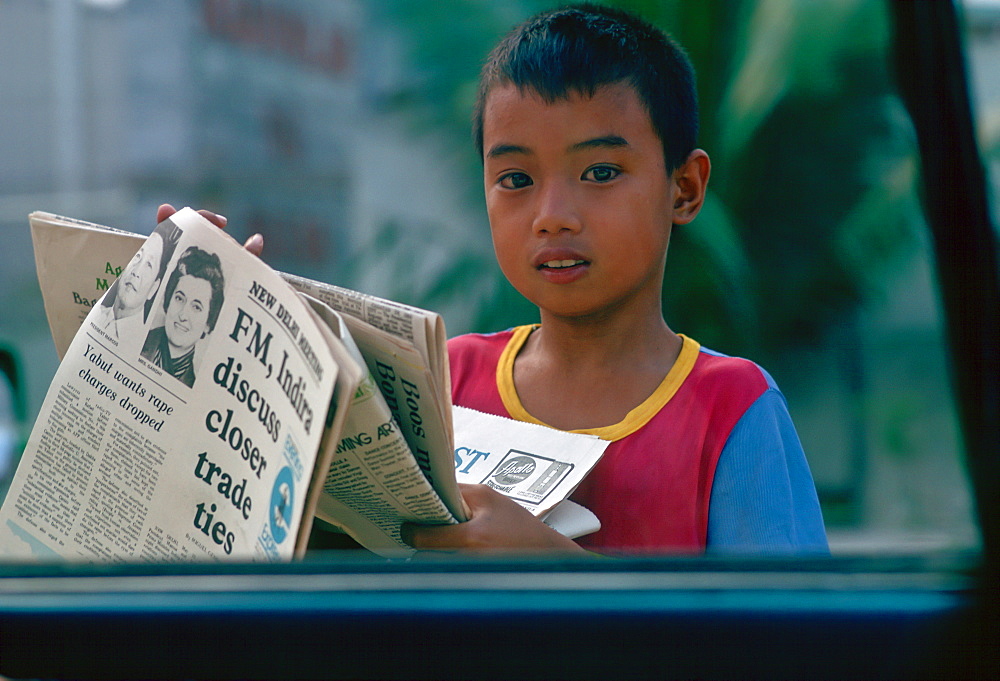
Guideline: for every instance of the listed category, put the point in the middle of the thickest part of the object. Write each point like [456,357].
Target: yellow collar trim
[632,422]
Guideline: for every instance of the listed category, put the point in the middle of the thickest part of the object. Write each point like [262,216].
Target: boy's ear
[691,180]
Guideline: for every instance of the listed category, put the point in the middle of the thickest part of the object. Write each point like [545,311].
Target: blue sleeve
[763,496]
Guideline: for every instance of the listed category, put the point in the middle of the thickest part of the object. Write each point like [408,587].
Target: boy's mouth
[561,264]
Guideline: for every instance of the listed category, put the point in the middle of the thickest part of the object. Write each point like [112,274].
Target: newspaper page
[373,483]
[405,348]
[377,478]
[184,421]
[350,377]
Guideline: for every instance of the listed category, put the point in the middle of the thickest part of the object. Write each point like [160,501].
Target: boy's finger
[214,218]
[255,244]
[164,211]
[428,537]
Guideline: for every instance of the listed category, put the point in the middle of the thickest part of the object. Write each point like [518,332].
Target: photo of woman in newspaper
[191,304]
[124,310]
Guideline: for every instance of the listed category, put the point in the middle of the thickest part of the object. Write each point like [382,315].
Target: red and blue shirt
[709,460]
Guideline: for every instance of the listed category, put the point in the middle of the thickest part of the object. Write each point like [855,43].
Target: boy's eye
[515,181]
[601,173]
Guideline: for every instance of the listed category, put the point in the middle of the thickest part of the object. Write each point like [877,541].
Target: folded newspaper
[208,407]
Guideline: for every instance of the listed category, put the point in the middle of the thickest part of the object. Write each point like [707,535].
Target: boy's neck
[608,343]
[578,374]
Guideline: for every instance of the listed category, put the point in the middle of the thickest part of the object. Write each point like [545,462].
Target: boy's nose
[556,210]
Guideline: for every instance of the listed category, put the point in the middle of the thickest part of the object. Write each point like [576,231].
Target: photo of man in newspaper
[191,303]
[124,310]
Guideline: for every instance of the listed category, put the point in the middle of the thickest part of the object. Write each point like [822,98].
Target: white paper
[537,467]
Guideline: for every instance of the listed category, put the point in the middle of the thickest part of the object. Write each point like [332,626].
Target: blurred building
[273,113]
[265,111]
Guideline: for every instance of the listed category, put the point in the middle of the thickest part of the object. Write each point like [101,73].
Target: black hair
[582,47]
[203,265]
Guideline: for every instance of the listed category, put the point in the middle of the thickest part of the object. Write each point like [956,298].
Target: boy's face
[579,200]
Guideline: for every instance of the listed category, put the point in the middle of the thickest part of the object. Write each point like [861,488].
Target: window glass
[350,147]
[982,26]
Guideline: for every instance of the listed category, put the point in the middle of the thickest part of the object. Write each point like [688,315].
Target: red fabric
[651,490]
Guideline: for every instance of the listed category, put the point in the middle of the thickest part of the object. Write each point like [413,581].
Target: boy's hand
[496,524]
[254,244]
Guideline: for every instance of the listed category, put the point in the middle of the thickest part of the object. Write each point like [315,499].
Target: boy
[586,124]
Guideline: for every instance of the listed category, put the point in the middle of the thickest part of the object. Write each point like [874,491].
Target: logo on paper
[514,470]
[282,500]
[527,478]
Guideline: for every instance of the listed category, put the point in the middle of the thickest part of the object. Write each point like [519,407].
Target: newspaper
[405,350]
[387,455]
[373,481]
[186,430]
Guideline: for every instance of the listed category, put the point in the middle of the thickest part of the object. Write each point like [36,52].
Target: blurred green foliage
[812,194]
